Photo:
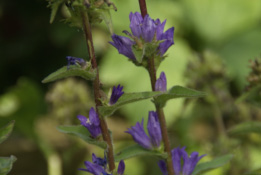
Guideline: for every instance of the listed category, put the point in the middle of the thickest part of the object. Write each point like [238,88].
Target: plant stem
[160,112]
[96,87]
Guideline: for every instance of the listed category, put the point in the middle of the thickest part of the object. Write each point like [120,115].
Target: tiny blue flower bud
[116,94]
[74,60]
[161,83]
[121,168]
[92,124]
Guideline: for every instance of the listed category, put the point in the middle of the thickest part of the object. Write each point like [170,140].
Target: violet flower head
[116,94]
[73,60]
[92,124]
[93,168]
[139,135]
[144,30]
[180,155]
[161,83]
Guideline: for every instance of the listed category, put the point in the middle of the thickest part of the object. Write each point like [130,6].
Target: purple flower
[161,83]
[116,94]
[144,31]
[121,168]
[124,45]
[99,166]
[74,60]
[189,162]
[139,135]
[92,124]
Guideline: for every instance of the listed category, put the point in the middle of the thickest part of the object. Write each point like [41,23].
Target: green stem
[96,87]
[152,72]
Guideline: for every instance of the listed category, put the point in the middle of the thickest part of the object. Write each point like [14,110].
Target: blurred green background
[214,41]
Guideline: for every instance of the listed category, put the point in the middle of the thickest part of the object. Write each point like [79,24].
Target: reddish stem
[160,112]
[96,87]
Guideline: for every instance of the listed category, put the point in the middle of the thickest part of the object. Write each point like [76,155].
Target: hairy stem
[96,87]
[160,112]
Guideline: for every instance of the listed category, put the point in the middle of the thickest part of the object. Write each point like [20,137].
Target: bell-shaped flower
[161,83]
[116,94]
[144,30]
[92,124]
[139,135]
[183,164]
[124,45]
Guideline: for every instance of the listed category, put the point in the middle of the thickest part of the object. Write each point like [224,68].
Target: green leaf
[216,163]
[253,96]
[137,150]
[75,70]
[177,92]
[6,164]
[83,133]
[6,131]
[245,128]
[106,16]
[125,99]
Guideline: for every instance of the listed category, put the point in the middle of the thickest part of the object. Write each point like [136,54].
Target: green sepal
[74,70]
[83,133]
[54,5]
[177,92]
[106,16]
[138,53]
[245,128]
[137,150]
[125,99]
[6,164]
[210,165]
[6,130]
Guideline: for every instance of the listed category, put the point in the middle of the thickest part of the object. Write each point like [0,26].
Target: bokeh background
[214,41]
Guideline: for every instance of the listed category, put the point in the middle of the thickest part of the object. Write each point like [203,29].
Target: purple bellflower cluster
[161,83]
[138,133]
[92,124]
[74,60]
[98,166]
[116,94]
[189,162]
[144,31]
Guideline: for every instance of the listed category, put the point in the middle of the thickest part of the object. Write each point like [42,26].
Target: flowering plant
[146,45]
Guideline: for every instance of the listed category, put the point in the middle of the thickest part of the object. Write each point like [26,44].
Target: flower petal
[154,129]
[121,168]
[116,94]
[148,29]
[136,23]
[139,135]
[124,45]
[168,37]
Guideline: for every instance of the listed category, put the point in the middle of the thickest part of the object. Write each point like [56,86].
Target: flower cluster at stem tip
[189,162]
[98,166]
[144,31]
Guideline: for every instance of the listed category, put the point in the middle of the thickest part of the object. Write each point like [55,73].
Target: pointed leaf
[125,99]
[83,133]
[253,96]
[216,163]
[6,131]
[177,92]
[137,150]
[106,16]
[245,128]
[75,70]
[6,164]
